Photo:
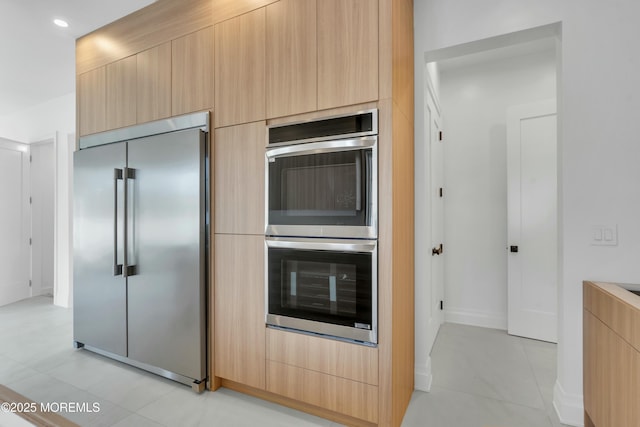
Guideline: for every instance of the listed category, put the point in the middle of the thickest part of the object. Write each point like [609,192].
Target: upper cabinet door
[192,71]
[238,172]
[92,102]
[121,93]
[291,57]
[347,52]
[154,83]
[240,69]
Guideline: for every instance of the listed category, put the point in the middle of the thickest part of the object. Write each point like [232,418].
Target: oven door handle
[326,245]
[322,147]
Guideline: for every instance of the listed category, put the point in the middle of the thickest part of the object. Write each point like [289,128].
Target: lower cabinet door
[356,399]
[239,351]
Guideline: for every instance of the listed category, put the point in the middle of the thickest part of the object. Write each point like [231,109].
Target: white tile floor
[482,377]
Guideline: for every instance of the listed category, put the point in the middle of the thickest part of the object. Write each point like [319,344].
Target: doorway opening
[475,86]
[42,199]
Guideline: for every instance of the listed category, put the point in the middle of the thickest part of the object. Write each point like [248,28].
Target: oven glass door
[323,287]
[311,187]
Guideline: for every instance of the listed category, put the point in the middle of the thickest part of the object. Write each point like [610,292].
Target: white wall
[41,121]
[63,289]
[14,221]
[599,106]
[53,119]
[474,103]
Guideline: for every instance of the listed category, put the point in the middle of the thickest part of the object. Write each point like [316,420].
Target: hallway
[484,377]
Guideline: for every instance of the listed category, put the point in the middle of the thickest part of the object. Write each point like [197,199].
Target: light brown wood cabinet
[611,355]
[291,57]
[337,358]
[121,93]
[154,83]
[352,398]
[239,328]
[192,72]
[286,61]
[240,69]
[239,178]
[92,101]
[347,52]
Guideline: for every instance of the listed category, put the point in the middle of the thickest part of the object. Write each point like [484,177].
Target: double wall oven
[322,226]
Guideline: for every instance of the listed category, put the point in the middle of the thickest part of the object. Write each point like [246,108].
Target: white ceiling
[37,58]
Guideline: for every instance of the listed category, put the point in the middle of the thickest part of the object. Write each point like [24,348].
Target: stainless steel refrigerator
[140,244]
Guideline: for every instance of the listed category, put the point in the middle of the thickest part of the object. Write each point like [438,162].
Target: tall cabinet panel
[291,57]
[240,69]
[347,52]
[240,332]
[192,72]
[92,101]
[239,179]
[121,93]
[154,83]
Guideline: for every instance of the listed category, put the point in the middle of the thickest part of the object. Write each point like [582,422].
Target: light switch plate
[604,235]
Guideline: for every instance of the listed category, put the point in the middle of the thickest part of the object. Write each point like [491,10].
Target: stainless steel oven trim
[327,329]
[373,131]
[334,245]
[359,232]
[310,244]
[324,231]
[332,146]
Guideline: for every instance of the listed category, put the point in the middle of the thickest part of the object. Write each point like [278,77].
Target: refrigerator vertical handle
[128,270]
[117,268]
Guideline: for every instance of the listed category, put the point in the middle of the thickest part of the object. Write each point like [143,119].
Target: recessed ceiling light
[61,23]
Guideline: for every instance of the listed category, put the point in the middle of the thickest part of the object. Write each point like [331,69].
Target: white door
[42,217]
[437,220]
[532,220]
[14,222]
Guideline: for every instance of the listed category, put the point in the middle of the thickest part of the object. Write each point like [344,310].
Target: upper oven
[322,178]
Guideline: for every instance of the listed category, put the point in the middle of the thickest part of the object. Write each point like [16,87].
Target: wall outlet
[604,235]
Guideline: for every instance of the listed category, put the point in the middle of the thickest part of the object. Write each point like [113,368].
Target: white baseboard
[44,291]
[569,407]
[476,318]
[423,376]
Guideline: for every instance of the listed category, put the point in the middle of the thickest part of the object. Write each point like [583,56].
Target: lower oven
[323,286]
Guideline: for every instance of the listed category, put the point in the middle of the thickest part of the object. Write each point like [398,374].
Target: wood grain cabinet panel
[358,400]
[92,101]
[291,57]
[121,93]
[240,69]
[192,72]
[239,179]
[341,359]
[239,327]
[154,83]
[227,9]
[611,359]
[347,52]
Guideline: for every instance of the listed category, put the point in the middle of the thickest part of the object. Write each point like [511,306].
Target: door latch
[438,250]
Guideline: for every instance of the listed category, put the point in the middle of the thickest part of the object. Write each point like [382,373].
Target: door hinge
[440,191]
[29,282]
[30,200]
[440,136]
[441,305]
[30,241]
[30,158]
